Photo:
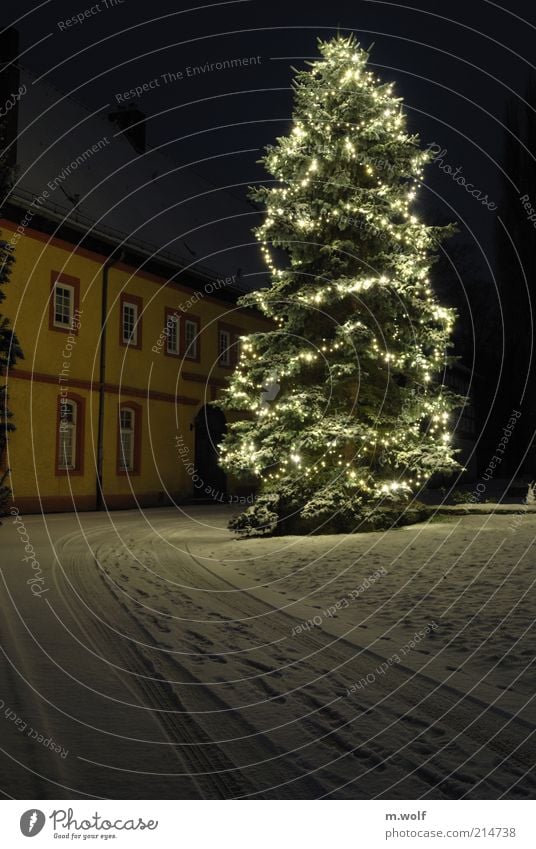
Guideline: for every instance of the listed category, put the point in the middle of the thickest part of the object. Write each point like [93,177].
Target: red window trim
[189,316]
[127,298]
[80,402]
[235,334]
[60,277]
[137,410]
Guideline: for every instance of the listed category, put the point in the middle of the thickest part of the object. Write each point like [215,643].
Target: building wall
[166,391]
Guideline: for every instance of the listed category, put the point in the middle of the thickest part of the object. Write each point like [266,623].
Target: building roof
[89,177]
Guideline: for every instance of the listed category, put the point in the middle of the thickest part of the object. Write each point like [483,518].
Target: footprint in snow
[160,625]
[200,638]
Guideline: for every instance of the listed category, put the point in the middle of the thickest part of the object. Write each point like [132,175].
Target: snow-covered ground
[189,663]
[474,578]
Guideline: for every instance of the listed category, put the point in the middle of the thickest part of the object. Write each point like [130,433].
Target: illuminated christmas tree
[359,417]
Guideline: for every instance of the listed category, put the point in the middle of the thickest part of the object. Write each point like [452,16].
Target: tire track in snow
[433,708]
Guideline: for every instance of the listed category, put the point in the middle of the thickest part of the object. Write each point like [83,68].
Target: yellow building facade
[112,401]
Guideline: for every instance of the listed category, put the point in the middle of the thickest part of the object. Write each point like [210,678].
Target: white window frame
[71,290]
[224,347]
[129,339]
[173,321]
[125,466]
[190,348]
[67,426]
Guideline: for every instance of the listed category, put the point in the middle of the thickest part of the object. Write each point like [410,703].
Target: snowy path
[190,662]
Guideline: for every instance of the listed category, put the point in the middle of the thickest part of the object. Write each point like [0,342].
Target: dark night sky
[455,65]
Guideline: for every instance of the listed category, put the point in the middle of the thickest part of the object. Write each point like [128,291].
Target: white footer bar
[270,824]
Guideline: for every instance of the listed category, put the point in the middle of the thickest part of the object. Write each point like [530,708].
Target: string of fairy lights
[328,175]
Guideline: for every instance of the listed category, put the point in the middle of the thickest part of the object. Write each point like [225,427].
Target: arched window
[127,435]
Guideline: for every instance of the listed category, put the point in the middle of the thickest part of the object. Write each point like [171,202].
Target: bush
[258,520]
[269,516]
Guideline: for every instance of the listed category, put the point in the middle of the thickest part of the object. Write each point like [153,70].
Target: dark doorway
[210,427]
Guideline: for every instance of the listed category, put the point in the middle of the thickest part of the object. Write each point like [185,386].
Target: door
[210,427]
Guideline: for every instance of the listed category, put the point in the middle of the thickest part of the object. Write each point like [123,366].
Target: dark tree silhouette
[9,347]
[515,263]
